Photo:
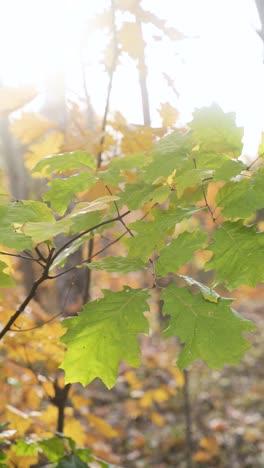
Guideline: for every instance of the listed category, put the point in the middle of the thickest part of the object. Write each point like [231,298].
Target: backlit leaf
[168,114]
[50,144]
[64,162]
[216,132]
[63,191]
[103,334]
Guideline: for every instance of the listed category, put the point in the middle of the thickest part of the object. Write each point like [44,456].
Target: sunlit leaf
[64,162]
[216,132]
[50,144]
[63,191]
[103,334]
[168,114]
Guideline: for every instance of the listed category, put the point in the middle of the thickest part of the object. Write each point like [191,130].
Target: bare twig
[30,296]
[88,260]
[253,162]
[22,257]
[81,234]
[118,213]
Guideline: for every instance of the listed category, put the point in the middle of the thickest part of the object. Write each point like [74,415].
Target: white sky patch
[220,60]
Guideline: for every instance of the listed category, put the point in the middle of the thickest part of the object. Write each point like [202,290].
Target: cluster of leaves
[58,451]
[170,184]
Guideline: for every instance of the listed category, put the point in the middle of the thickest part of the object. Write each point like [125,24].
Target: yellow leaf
[210,444]
[132,409]
[157,394]
[80,401]
[74,429]
[157,419]
[137,138]
[168,114]
[97,190]
[132,380]
[18,460]
[14,98]
[48,388]
[51,144]
[201,457]
[19,420]
[102,426]
[33,397]
[30,126]
[131,40]
[49,417]
[178,376]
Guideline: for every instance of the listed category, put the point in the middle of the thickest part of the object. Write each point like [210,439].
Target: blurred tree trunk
[260,8]
[69,287]
[18,181]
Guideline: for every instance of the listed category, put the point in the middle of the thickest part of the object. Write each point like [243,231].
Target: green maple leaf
[63,191]
[179,251]
[136,195]
[64,162]
[211,331]
[216,132]
[190,178]
[242,198]
[151,235]
[238,255]
[103,334]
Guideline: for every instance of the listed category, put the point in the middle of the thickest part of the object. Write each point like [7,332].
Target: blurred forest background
[111,77]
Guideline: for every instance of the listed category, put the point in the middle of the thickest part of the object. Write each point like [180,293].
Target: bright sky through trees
[220,59]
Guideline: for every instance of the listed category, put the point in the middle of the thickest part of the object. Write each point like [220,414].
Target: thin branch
[154,275]
[88,260]
[20,330]
[22,256]
[88,276]
[207,205]
[30,296]
[103,223]
[118,213]
[253,162]
[204,196]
